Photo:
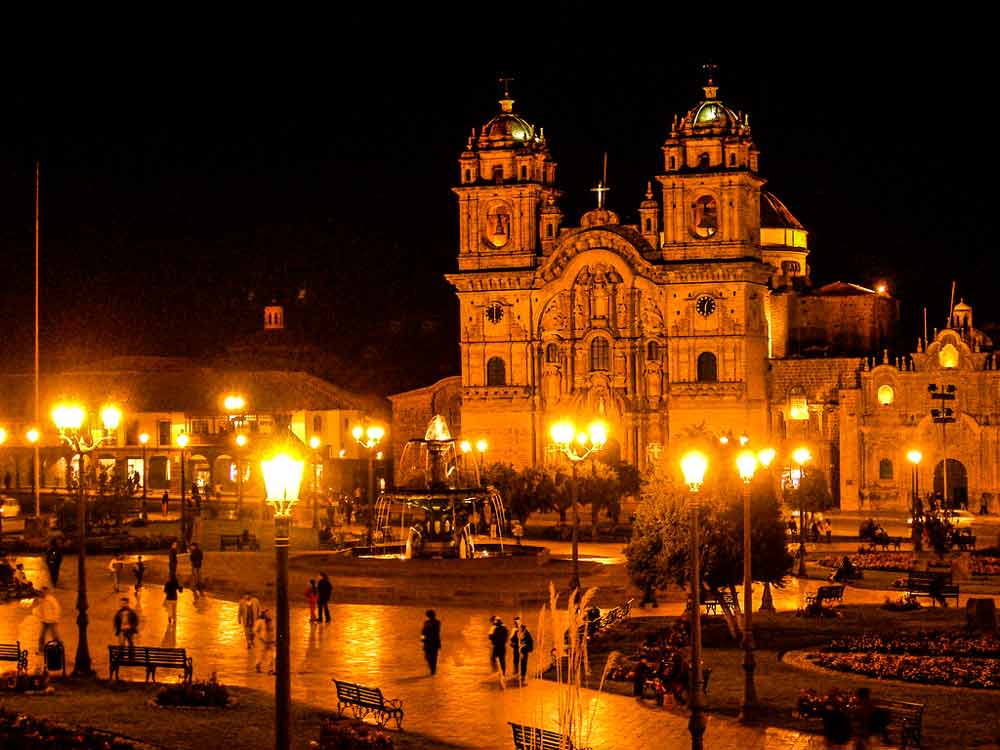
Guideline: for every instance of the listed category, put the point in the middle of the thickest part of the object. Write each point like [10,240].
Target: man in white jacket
[48,611]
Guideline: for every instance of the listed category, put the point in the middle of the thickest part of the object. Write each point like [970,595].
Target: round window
[886,395]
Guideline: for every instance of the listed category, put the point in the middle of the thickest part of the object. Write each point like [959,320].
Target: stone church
[701,315]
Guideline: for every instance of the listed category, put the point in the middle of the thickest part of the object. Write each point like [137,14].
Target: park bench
[963,540]
[238,541]
[150,657]
[533,738]
[368,700]
[908,717]
[934,585]
[609,619]
[831,593]
[713,604]
[14,652]
[884,542]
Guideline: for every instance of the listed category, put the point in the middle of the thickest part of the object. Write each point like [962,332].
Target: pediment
[616,240]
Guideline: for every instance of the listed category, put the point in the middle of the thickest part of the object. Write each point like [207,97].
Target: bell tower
[506,195]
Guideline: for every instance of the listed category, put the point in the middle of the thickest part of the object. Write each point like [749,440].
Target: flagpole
[37,461]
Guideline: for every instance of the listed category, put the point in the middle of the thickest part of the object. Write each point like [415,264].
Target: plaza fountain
[441,491]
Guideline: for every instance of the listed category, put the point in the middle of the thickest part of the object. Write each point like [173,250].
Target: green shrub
[206,693]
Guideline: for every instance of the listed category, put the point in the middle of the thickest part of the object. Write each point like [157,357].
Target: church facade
[700,316]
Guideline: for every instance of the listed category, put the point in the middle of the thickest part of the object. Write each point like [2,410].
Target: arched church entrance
[956,494]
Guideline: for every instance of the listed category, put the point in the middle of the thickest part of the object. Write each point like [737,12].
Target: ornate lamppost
[368,437]
[241,444]
[916,510]
[182,441]
[801,456]
[314,443]
[693,465]
[577,446]
[746,463]
[69,419]
[143,440]
[765,457]
[481,447]
[282,478]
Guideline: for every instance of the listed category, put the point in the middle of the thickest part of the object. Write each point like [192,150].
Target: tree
[659,552]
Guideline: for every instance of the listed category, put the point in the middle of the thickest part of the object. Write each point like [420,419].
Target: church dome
[507,128]
[712,117]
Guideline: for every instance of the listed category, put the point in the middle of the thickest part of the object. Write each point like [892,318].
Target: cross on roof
[505,82]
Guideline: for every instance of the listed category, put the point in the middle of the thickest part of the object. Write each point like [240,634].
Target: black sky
[180,172]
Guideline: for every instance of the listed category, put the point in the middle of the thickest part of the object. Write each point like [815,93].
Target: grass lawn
[954,718]
[122,708]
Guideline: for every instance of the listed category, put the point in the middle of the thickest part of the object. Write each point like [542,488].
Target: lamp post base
[749,709]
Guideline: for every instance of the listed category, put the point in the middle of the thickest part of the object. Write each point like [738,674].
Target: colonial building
[701,315]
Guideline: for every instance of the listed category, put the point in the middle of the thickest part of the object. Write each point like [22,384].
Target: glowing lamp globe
[694,465]
[241,440]
[111,416]
[801,456]
[3,436]
[466,446]
[282,477]
[144,438]
[562,432]
[33,435]
[914,457]
[482,445]
[182,440]
[314,442]
[234,403]
[766,456]
[375,433]
[598,433]
[746,462]
[68,416]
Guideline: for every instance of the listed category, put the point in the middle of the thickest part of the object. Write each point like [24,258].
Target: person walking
[171,588]
[48,612]
[312,596]
[116,565]
[126,624]
[53,560]
[430,635]
[138,571]
[526,644]
[172,560]
[164,503]
[515,647]
[263,630]
[498,637]
[196,557]
[247,616]
[324,590]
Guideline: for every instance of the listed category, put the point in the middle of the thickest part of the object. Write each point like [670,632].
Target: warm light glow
[241,440]
[182,440]
[144,438]
[766,456]
[357,431]
[724,439]
[886,395]
[375,433]
[111,416]
[581,438]
[882,287]
[801,456]
[282,476]
[482,445]
[234,402]
[3,436]
[598,433]
[746,462]
[744,439]
[694,464]
[68,416]
[562,432]
[378,456]
[466,446]
[33,435]
[342,453]
[914,456]
[314,442]
[948,356]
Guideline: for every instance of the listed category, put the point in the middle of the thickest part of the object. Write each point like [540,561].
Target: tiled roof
[774,214]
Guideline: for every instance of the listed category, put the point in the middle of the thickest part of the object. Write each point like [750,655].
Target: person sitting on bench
[845,572]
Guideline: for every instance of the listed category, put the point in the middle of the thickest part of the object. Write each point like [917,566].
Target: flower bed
[984,565]
[924,643]
[930,670]
[338,733]
[898,561]
[202,694]
[25,733]
[22,683]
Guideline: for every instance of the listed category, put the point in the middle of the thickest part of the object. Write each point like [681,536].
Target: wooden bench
[963,540]
[150,657]
[368,700]
[934,585]
[713,604]
[237,541]
[609,619]
[14,652]
[908,717]
[832,593]
[884,542]
[533,738]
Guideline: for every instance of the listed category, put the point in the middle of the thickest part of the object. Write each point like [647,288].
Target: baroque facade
[702,315]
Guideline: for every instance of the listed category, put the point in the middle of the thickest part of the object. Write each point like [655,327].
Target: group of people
[258,630]
[12,576]
[521,644]
[318,595]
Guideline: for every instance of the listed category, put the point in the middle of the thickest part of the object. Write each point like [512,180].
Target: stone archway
[957,495]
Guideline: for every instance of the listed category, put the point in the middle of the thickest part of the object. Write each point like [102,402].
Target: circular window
[494,312]
[886,395]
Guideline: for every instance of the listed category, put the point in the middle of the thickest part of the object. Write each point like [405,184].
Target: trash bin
[55,657]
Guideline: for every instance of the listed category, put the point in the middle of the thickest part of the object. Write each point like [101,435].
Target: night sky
[185,184]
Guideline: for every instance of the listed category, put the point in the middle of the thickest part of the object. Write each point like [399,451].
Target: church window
[524,172]
[652,351]
[317,423]
[790,266]
[885,469]
[548,230]
[649,225]
[798,405]
[496,372]
[468,176]
[498,174]
[600,354]
[886,395]
[673,163]
[552,353]
[948,357]
[708,371]
[732,160]
[703,161]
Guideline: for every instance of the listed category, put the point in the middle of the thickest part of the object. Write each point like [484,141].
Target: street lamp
[916,511]
[241,443]
[182,441]
[282,478]
[369,437]
[143,439]
[481,447]
[746,462]
[801,456]
[69,419]
[693,465]
[765,457]
[577,446]
[314,443]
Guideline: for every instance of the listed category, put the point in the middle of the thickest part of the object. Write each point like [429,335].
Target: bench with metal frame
[909,717]
[364,701]
[238,541]
[14,652]
[831,593]
[533,738]
[150,658]
[714,604]
[935,585]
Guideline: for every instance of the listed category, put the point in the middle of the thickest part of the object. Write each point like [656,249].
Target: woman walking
[312,596]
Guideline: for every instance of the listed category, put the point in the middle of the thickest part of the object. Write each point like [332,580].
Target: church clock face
[704,217]
[494,313]
[705,305]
